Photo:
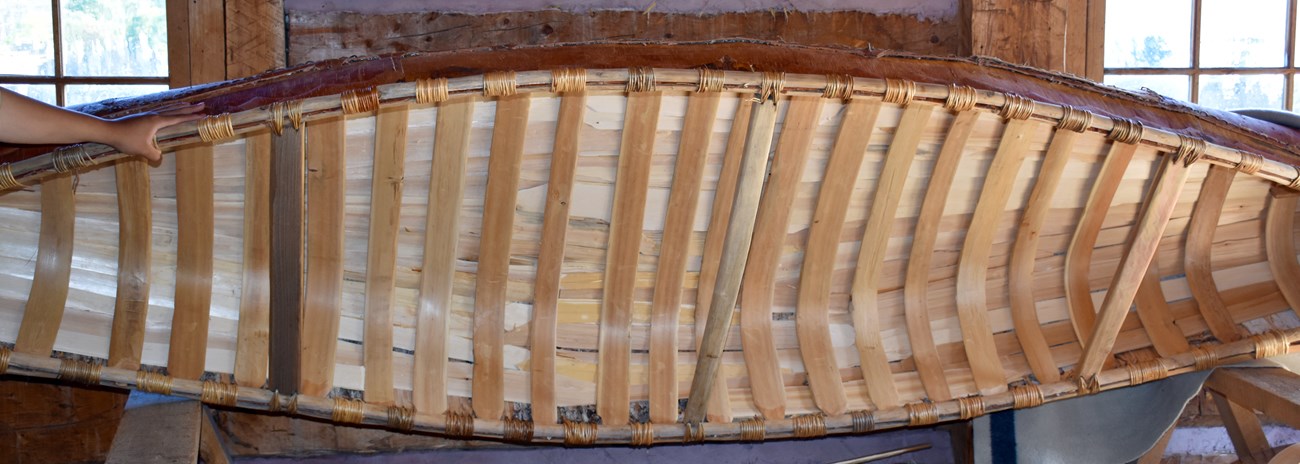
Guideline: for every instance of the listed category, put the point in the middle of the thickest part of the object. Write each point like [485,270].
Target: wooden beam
[188,349]
[1198,259]
[49,295]
[1275,391]
[163,432]
[254,36]
[1032,33]
[135,239]
[254,333]
[285,262]
[387,177]
[1245,431]
[211,451]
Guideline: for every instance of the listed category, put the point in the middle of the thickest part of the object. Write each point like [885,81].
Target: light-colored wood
[1157,451]
[135,244]
[1198,258]
[1244,429]
[1032,33]
[207,57]
[719,402]
[166,432]
[1096,40]
[1272,390]
[381,258]
[441,234]
[187,352]
[1280,244]
[670,279]
[1152,306]
[973,264]
[765,251]
[49,295]
[735,252]
[1020,282]
[812,316]
[255,294]
[255,35]
[550,258]
[211,451]
[915,296]
[1078,260]
[494,255]
[625,232]
[1288,455]
[1123,287]
[322,299]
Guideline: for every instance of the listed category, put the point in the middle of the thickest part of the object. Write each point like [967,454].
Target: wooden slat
[441,234]
[161,432]
[1024,310]
[44,311]
[735,253]
[1152,306]
[323,296]
[915,297]
[1245,431]
[719,402]
[625,231]
[135,242]
[1279,242]
[1123,287]
[494,255]
[1078,260]
[194,234]
[812,316]
[381,257]
[1198,258]
[550,258]
[211,451]
[284,369]
[1273,390]
[765,251]
[253,337]
[973,263]
[670,279]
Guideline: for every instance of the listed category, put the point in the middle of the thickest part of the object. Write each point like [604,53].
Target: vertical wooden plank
[194,233]
[625,231]
[494,255]
[254,36]
[759,283]
[973,263]
[1032,33]
[550,258]
[1197,260]
[381,259]
[166,432]
[1280,244]
[441,233]
[1078,261]
[915,297]
[326,173]
[812,316]
[1244,429]
[207,21]
[178,43]
[1075,14]
[285,371]
[135,242]
[670,276]
[253,337]
[44,311]
[719,402]
[1096,40]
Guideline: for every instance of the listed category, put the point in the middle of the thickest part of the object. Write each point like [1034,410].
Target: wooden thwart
[44,311]
[381,258]
[135,242]
[194,234]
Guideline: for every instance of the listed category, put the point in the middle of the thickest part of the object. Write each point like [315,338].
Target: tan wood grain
[1244,429]
[187,352]
[1078,260]
[254,36]
[1032,33]
[1279,241]
[165,432]
[1152,305]
[1198,260]
[135,246]
[323,297]
[381,257]
[916,310]
[670,276]
[1157,451]
[441,234]
[253,336]
[1274,391]
[49,295]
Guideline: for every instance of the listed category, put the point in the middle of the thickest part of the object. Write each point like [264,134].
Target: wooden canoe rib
[896,253]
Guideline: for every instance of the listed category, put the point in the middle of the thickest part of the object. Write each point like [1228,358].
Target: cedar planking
[255,298]
[381,258]
[135,238]
[1198,259]
[186,355]
[321,300]
[49,295]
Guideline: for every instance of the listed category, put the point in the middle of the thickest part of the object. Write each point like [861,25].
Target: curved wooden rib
[1197,261]
[1279,241]
[194,233]
[765,254]
[719,403]
[322,300]
[1078,261]
[697,128]
[49,296]
[441,234]
[972,265]
[381,256]
[916,306]
[812,321]
[254,297]
[1024,311]
[135,237]
[555,228]
[1152,306]
[494,255]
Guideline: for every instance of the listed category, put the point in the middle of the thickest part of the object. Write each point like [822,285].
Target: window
[69,52]
[1218,53]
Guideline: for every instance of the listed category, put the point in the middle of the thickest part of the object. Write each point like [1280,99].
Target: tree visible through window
[69,52]
[1219,53]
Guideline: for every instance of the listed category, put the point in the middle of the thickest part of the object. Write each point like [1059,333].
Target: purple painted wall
[924,9]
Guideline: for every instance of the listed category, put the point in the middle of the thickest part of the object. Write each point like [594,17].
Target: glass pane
[1295,95]
[1178,87]
[1234,35]
[1233,92]
[26,38]
[78,94]
[114,38]
[42,92]
[1133,40]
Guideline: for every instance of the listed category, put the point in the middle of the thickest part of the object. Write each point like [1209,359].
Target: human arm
[27,121]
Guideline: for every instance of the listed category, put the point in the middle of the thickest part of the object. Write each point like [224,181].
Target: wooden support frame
[49,295]
[135,244]
[251,356]
[1197,261]
[284,351]
[186,355]
[1280,244]
[321,299]
[387,178]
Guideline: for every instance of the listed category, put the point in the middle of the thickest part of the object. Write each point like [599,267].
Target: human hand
[136,134]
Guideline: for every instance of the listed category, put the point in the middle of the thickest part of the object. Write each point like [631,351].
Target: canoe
[640,244]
